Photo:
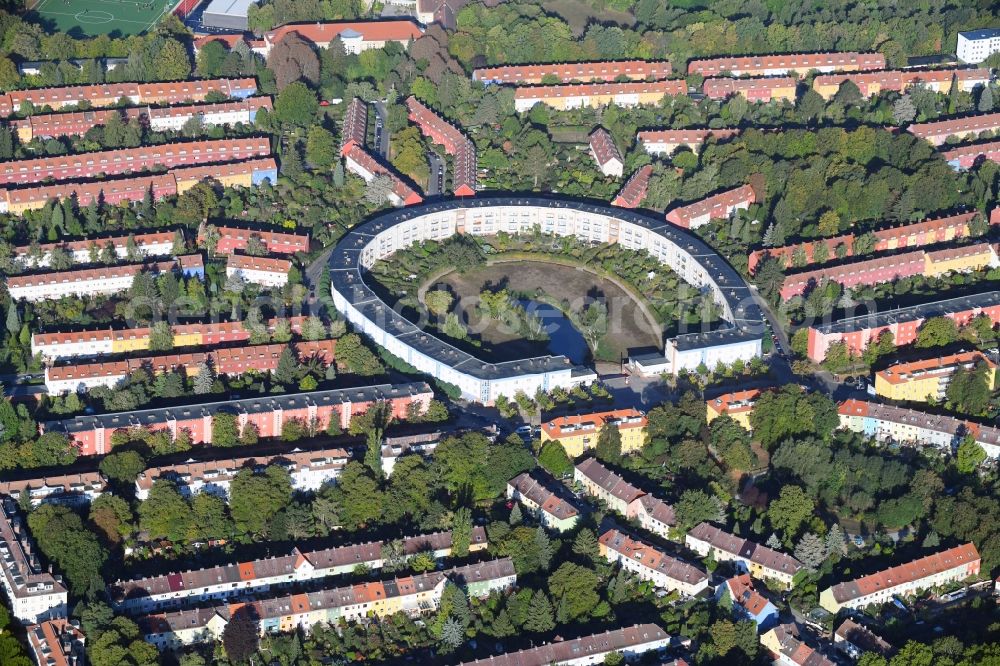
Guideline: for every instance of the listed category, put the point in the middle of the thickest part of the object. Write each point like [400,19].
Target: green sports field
[118,18]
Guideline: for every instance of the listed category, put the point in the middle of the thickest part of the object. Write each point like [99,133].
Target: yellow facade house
[928,379]
[579,433]
[737,405]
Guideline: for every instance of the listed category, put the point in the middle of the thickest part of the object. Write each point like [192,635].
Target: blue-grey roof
[984,33]
[921,311]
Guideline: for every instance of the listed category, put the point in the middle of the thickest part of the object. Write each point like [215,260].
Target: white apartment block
[759,561]
[976,46]
[157,244]
[649,563]
[264,271]
[243,579]
[309,471]
[34,594]
[694,262]
[89,282]
[394,448]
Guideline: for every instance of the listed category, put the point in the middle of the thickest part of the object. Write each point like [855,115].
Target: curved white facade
[687,255]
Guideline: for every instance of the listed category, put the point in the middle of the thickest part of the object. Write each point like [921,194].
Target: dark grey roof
[347,277]
[914,312]
[257,405]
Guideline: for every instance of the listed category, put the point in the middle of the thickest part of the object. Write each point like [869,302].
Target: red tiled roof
[370,31]
[910,572]
[800,62]
[712,205]
[720,88]
[604,146]
[635,70]
[674,87]
[249,263]
[634,191]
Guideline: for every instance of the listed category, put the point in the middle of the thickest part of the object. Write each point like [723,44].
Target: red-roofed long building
[904,580]
[652,564]
[763,89]
[968,127]
[574,72]
[787,63]
[275,242]
[916,234]
[356,36]
[360,162]
[964,157]
[630,642]
[454,141]
[901,80]
[715,207]
[634,191]
[665,142]
[354,131]
[594,95]
[125,160]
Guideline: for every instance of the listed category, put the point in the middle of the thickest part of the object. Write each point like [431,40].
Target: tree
[697,506]
[13,320]
[356,358]
[296,105]
[903,111]
[165,513]
[609,444]
[461,532]
[225,431]
[210,59]
[161,337]
[836,541]
[969,456]
[67,543]
[372,423]
[357,496]
[254,499]
[124,467]
[438,302]
[204,379]
[728,636]
[378,189]
[585,544]
[452,634]
[172,63]
[242,634]
[539,618]
[810,550]
[313,329]
[553,458]
[985,100]
[113,518]
[287,369]
[969,389]
[790,510]
[321,148]
[293,60]
[574,587]
[829,223]
[937,332]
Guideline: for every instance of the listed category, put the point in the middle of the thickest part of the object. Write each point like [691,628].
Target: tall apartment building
[650,563]
[413,595]
[621,496]
[904,323]
[580,432]
[34,594]
[948,566]
[256,577]
[928,379]
[91,434]
[975,46]
[759,561]
[538,493]
[887,423]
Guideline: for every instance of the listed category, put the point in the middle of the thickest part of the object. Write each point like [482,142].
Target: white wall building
[649,563]
[975,46]
[34,594]
[265,271]
[684,253]
[155,244]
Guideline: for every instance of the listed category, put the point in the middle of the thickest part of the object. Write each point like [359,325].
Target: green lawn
[117,18]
